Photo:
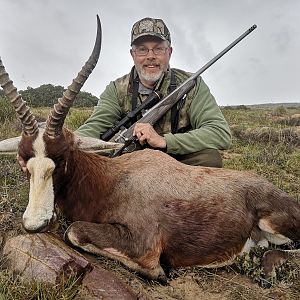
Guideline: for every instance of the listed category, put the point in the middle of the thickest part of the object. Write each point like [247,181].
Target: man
[192,132]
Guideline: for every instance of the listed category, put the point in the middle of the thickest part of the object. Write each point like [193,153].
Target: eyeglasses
[143,51]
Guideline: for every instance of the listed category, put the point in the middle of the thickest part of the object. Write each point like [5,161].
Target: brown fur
[152,209]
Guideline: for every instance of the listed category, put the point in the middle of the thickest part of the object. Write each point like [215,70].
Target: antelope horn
[30,125]
[95,145]
[57,116]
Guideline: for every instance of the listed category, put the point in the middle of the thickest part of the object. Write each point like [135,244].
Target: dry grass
[13,287]
[272,154]
[286,135]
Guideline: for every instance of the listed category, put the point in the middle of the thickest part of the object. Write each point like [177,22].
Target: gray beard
[149,77]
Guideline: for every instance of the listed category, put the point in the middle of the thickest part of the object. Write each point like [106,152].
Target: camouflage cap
[150,26]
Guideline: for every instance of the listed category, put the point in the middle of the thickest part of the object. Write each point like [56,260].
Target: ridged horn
[57,116]
[30,125]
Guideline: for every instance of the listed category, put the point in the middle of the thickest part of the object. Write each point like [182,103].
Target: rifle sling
[135,92]
[175,111]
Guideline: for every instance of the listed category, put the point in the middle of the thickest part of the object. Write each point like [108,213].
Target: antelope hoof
[155,274]
[162,278]
[271,260]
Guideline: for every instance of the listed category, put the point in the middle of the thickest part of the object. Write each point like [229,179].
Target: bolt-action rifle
[158,110]
[151,100]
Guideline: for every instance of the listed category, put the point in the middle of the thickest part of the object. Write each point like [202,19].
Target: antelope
[144,208]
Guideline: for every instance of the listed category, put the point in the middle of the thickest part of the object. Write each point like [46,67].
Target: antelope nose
[30,227]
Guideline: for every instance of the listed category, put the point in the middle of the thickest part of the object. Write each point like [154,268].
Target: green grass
[13,287]
[7,112]
[77,117]
[277,160]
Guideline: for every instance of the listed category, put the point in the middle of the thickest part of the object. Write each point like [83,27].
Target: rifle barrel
[159,109]
[217,57]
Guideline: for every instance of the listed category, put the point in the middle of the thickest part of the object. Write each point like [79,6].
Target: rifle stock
[159,109]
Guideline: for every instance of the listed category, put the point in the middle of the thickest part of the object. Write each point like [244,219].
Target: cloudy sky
[48,41]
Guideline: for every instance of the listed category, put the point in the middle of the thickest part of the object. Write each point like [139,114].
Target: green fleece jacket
[200,113]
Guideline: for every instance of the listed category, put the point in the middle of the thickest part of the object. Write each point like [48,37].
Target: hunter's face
[151,58]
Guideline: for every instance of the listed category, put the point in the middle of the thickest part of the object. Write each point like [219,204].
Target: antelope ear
[90,144]
[10,146]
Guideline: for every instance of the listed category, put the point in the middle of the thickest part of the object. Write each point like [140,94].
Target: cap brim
[148,34]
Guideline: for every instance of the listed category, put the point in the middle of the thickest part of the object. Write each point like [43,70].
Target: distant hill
[272,105]
[265,105]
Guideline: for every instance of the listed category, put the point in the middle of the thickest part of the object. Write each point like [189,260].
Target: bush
[279,111]
[7,111]
[236,107]
[47,95]
[76,118]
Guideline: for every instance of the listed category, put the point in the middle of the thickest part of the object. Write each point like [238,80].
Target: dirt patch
[199,283]
[293,120]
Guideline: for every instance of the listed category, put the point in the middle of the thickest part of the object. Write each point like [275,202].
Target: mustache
[152,64]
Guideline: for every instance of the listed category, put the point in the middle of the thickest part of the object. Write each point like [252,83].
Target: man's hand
[22,163]
[145,133]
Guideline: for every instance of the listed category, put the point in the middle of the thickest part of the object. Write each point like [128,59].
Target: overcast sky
[48,41]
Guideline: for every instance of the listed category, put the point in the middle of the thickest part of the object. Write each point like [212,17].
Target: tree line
[47,94]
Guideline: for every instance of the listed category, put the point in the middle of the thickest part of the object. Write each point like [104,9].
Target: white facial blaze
[40,208]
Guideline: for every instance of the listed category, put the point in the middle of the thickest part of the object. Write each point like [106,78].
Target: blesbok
[142,208]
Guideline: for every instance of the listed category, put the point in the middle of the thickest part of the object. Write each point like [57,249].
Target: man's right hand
[22,163]
[145,133]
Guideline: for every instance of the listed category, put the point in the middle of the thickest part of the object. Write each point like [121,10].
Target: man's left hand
[145,133]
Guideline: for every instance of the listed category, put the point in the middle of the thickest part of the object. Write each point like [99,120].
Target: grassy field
[265,141]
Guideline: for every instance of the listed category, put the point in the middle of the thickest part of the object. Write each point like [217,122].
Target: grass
[277,159]
[13,287]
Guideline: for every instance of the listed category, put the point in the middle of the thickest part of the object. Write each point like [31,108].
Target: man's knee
[205,158]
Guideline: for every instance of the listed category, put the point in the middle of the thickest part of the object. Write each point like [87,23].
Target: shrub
[76,118]
[279,111]
[7,112]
